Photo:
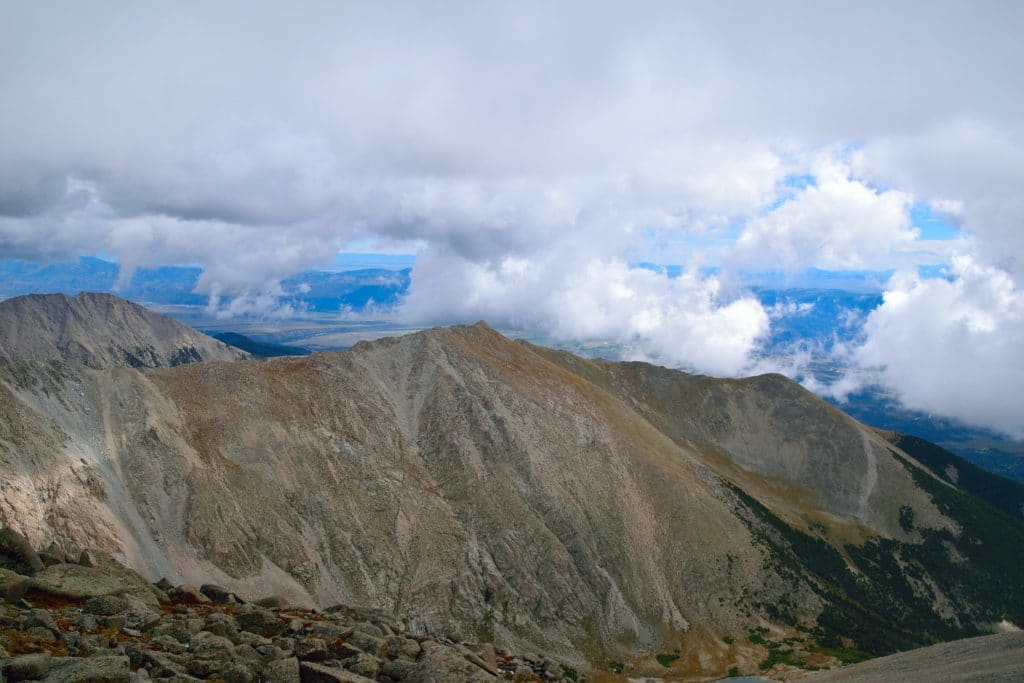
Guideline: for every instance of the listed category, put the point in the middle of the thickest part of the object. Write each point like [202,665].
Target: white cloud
[969,169]
[953,347]
[529,148]
[683,321]
[837,223]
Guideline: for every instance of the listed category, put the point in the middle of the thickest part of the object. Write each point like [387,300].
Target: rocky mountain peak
[100,330]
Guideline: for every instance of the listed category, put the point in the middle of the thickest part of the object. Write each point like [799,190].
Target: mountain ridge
[514,493]
[98,330]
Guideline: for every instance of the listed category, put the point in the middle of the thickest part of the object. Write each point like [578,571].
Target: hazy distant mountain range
[313,291]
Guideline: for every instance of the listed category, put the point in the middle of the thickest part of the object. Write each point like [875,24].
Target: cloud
[952,346]
[967,168]
[530,149]
[837,223]
[683,321]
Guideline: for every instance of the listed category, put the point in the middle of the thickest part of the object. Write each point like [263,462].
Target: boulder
[27,667]
[261,621]
[102,669]
[363,664]
[317,673]
[371,645]
[17,548]
[272,602]
[282,671]
[311,650]
[402,648]
[187,595]
[105,605]
[206,645]
[219,594]
[12,586]
[440,664]
[76,583]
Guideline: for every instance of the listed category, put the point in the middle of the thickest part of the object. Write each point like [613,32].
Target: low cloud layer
[953,347]
[529,152]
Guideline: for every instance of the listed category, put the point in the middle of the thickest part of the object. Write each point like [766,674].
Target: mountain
[619,516]
[100,330]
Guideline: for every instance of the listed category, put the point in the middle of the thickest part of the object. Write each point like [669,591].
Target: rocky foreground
[90,619]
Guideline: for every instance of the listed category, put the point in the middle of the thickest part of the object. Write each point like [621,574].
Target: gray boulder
[16,547]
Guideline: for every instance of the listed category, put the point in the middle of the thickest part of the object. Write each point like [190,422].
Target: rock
[168,643]
[440,664]
[363,664]
[523,673]
[400,669]
[261,621]
[219,594]
[140,615]
[105,605]
[247,653]
[238,673]
[272,602]
[282,671]
[27,667]
[209,646]
[476,659]
[418,628]
[103,669]
[486,653]
[117,621]
[76,583]
[402,648]
[253,639]
[206,668]
[340,649]
[17,547]
[43,618]
[187,595]
[371,645]
[164,584]
[12,586]
[161,665]
[330,631]
[368,628]
[42,633]
[317,673]
[220,624]
[311,650]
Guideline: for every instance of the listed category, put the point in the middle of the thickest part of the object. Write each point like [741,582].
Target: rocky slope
[100,330]
[90,619]
[997,658]
[619,516]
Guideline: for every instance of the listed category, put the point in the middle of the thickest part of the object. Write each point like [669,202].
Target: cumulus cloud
[679,321]
[967,169]
[532,150]
[837,223]
[952,346]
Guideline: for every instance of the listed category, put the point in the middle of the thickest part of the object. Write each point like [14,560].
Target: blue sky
[527,154]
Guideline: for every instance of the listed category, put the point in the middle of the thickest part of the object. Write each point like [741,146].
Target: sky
[529,153]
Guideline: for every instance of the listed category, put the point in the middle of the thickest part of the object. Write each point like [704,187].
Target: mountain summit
[506,492]
[100,330]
